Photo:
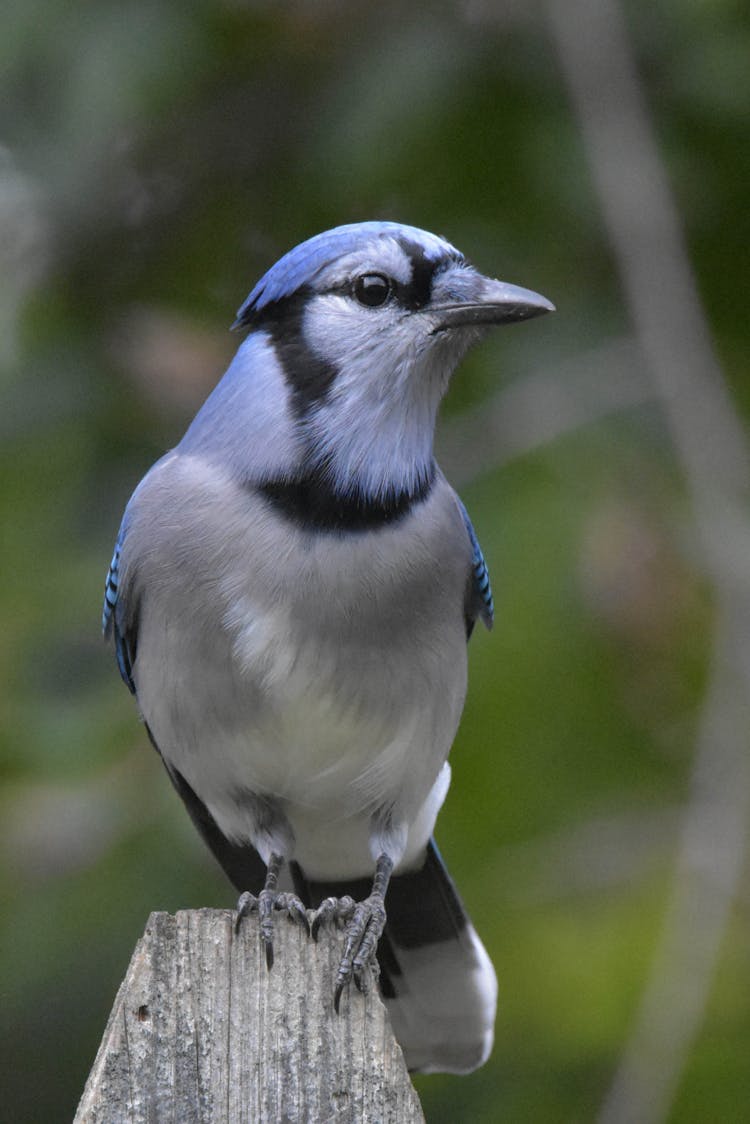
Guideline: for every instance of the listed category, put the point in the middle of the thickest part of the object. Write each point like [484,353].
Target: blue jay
[290,596]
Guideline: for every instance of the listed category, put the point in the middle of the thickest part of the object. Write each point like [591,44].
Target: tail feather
[435,976]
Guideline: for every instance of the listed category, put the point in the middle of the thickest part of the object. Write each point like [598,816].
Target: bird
[291,594]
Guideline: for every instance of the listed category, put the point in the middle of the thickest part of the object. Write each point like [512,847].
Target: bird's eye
[372,289]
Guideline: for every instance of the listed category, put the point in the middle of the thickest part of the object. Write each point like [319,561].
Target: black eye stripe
[417,293]
[373,288]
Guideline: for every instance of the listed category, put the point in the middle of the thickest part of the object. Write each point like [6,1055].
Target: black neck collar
[310,502]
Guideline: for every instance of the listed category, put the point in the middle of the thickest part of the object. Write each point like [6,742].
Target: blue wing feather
[110,614]
[111,589]
[480,602]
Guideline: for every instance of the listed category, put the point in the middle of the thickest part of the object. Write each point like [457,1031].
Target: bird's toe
[363,932]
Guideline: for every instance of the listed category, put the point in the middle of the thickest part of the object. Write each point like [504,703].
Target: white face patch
[375,428]
[382,255]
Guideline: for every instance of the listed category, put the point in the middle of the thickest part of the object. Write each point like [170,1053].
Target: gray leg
[365,922]
[269,899]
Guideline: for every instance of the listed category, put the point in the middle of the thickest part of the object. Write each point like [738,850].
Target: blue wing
[111,616]
[479,601]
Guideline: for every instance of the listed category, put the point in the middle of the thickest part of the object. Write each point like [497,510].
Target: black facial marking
[311,502]
[309,377]
[417,293]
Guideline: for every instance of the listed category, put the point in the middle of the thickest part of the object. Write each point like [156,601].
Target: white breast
[330,674]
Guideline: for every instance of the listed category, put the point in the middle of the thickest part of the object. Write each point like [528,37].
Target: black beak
[496,303]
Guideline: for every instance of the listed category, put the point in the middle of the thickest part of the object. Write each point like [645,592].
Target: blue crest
[301,265]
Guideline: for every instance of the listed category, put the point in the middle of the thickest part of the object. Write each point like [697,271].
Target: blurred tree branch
[644,228]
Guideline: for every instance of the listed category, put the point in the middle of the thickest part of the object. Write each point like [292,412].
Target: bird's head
[383,289]
[367,322]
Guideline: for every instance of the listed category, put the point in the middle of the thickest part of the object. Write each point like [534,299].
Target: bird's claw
[364,923]
[246,903]
[364,929]
[266,903]
[336,911]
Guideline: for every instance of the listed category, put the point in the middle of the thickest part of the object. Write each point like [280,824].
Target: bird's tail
[435,976]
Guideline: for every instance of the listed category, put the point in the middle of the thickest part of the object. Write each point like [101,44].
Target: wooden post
[201,1031]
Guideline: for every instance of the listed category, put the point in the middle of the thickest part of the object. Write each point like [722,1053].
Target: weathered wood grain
[202,1032]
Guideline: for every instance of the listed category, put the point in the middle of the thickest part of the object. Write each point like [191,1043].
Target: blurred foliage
[155,159]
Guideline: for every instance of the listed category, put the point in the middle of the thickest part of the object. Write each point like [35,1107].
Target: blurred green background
[155,159]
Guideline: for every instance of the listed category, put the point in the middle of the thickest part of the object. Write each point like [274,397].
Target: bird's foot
[364,923]
[267,903]
[332,911]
